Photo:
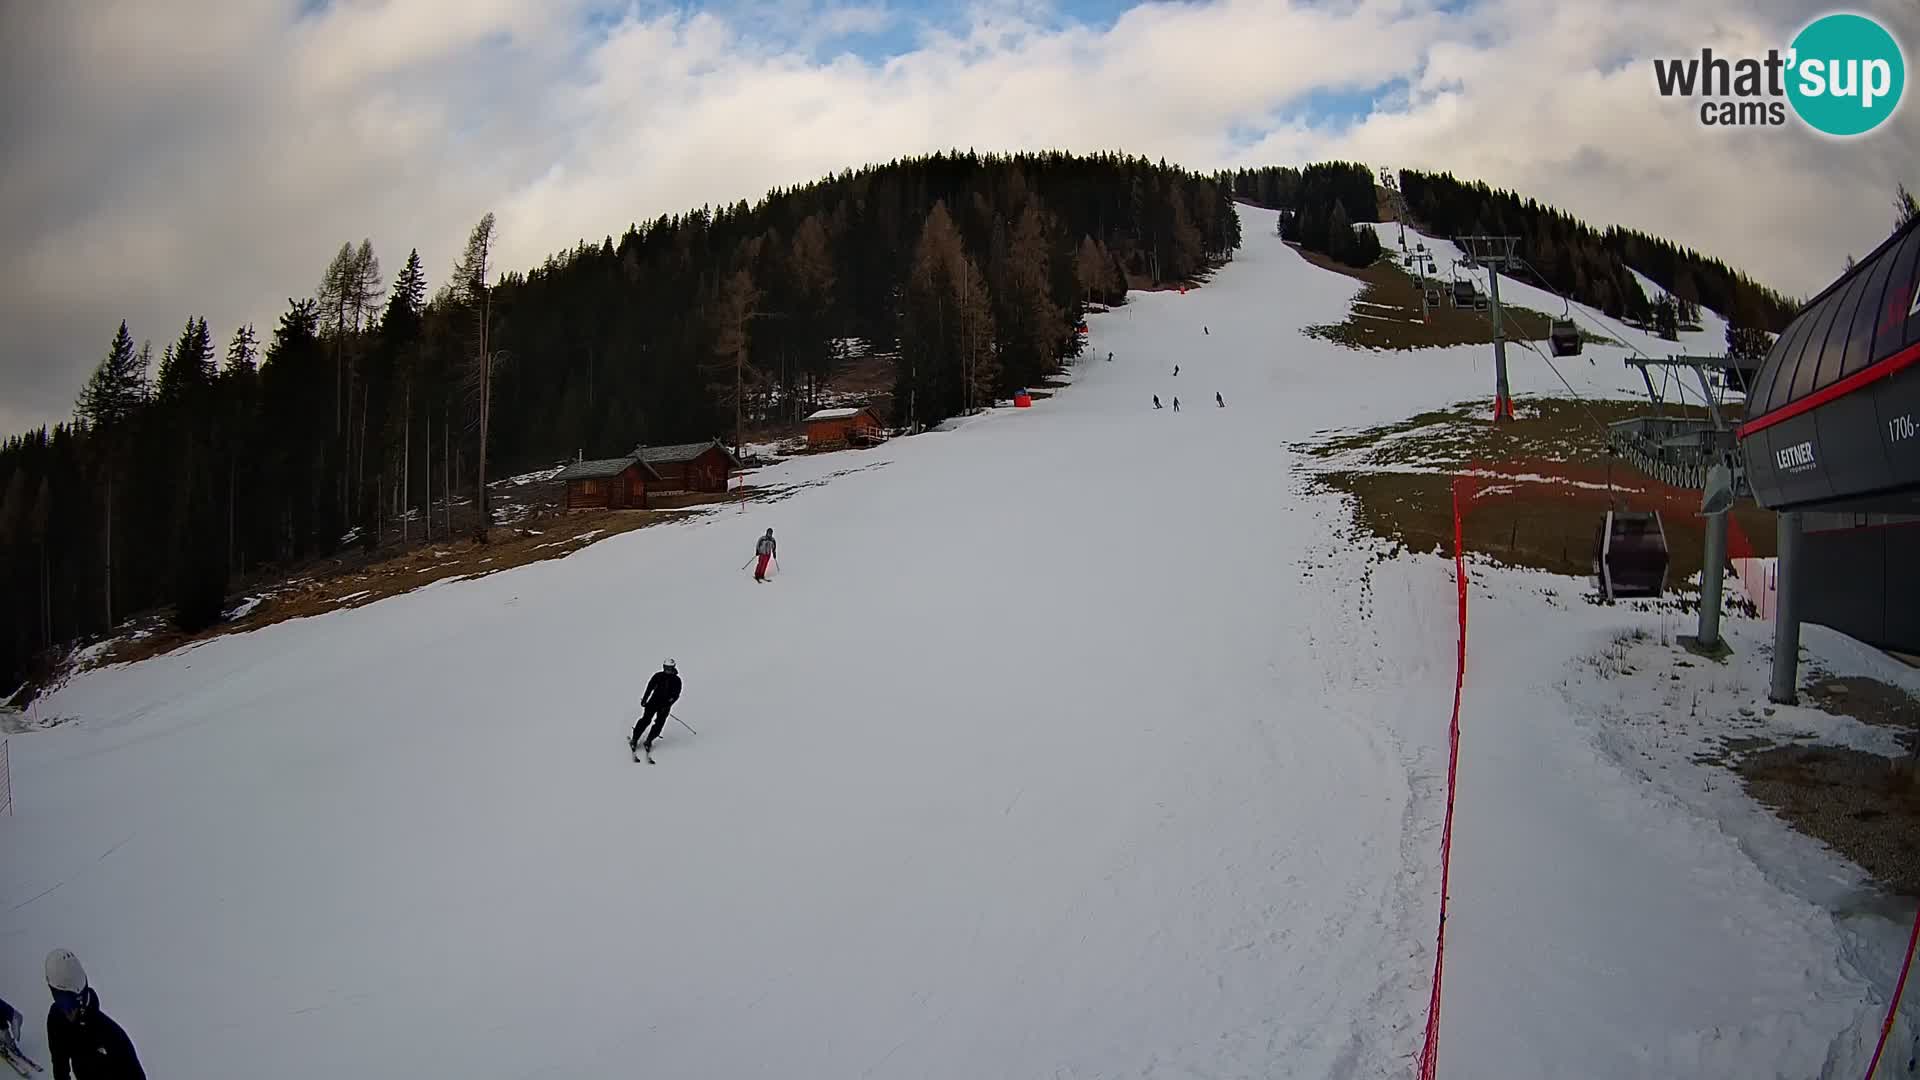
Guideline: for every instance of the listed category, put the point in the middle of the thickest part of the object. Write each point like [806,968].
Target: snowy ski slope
[1070,742]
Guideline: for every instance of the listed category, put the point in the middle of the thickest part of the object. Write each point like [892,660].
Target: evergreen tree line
[1592,266]
[376,410]
[1319,206]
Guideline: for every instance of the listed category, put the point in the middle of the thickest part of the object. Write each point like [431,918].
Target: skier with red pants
[767,551]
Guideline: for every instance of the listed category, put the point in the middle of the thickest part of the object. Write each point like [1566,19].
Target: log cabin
[608,484]
[838,427]
[701,466]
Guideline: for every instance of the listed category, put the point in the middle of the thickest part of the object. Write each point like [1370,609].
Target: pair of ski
[17,1058]
[637,751]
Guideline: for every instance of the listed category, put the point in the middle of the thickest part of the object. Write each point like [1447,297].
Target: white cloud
[209,159]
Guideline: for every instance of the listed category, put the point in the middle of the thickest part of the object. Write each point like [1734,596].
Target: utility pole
[1785,684]
[1496,254]
[1399,203]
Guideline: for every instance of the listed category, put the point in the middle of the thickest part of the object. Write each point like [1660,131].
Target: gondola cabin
[1565,338]
[1463,294]
[1630,555]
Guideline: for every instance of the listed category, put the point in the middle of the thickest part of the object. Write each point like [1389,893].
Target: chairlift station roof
[1832,413]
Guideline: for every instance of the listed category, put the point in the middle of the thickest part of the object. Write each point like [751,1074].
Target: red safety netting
[1893,1007]
[1430,1047]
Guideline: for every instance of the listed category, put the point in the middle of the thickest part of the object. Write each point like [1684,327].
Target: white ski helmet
[669,664]
[64,971]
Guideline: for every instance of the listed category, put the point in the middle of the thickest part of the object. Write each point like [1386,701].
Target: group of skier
[656,701]
[1217,399]
[83,1042]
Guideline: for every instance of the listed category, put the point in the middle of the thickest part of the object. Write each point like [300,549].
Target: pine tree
[39,522]
[243,353]
[1666,318]
[238,391]
[186,369]
[117,388]
[112,399]
[1747,346]
[1340,240]
[1905,207]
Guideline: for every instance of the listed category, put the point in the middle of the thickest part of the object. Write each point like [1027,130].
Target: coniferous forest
[1319,206]
[372,397]
[1591,265]
[352,419]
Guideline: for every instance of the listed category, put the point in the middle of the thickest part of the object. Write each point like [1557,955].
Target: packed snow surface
[1076,741]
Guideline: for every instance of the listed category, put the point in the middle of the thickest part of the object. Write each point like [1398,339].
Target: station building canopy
[1832,414]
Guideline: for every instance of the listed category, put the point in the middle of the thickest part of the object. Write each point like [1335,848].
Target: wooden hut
[608,484]
[701,466]
[838,427]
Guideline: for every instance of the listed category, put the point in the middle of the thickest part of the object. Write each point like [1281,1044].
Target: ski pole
[683,723]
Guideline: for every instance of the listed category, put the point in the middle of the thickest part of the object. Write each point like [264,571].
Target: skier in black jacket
[84,1042]
[657,702]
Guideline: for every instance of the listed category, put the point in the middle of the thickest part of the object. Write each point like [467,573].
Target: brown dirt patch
[1541,485]
[1869,701]
[1864,805]
[356,583]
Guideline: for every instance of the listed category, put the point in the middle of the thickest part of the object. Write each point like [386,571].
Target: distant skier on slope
[84,1042]
[1176,371]
[1218,400]
[1176,404]
[766,550]
[1206,331]
[656,704]
[1109,358]
[1156,401]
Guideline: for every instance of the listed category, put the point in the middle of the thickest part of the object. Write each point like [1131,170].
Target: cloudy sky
[171,158]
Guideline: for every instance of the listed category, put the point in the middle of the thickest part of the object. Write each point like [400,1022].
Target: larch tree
[947,362]
[471,292]
[728,377]
[1032,342]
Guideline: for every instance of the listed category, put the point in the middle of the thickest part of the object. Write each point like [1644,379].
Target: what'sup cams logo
[1843,75]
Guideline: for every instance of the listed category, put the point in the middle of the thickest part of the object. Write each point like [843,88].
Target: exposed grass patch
[1540,486]
[1387,315]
